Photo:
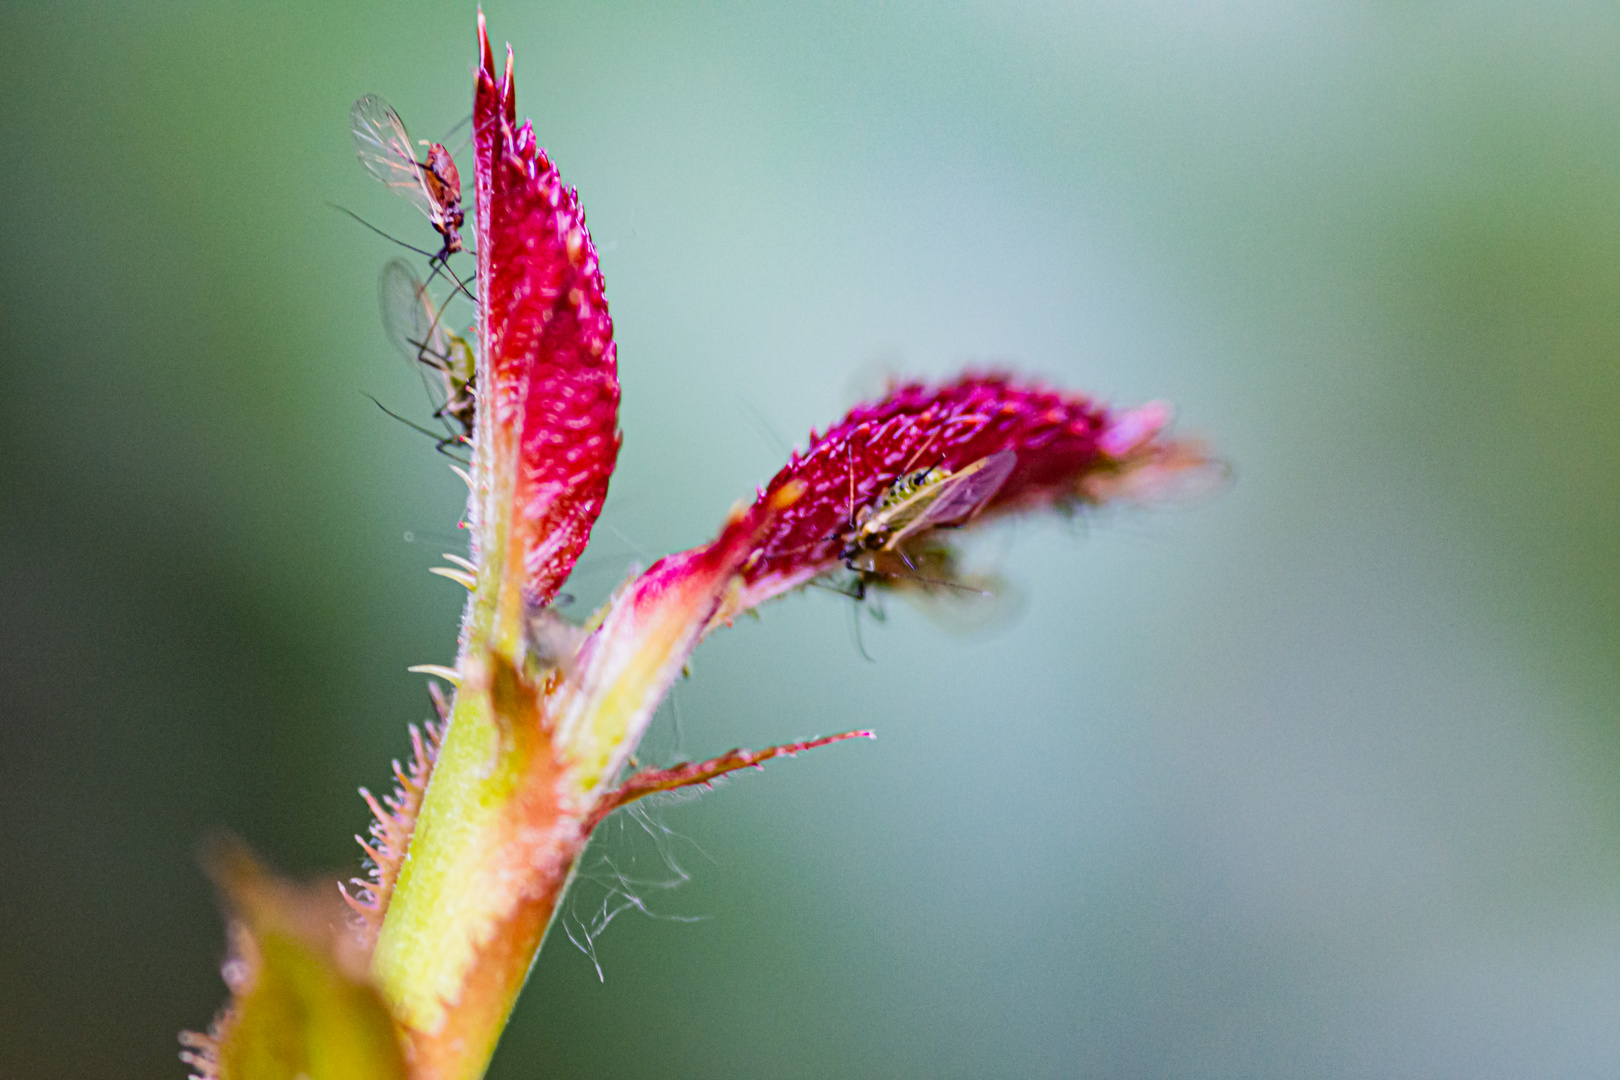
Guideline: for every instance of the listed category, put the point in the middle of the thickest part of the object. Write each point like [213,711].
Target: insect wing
[951,500]
[409,317]
[385,150]
[551,641]
[970,604]
[929,580]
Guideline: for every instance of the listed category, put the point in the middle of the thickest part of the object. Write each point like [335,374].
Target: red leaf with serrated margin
[548,373]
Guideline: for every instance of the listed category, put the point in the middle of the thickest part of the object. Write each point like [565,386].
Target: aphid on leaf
[433,186]
[876,545]
[415,324]
[890,547]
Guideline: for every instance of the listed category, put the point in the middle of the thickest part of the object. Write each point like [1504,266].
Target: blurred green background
[1320,777]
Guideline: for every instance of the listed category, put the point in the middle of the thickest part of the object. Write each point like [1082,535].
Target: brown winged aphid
[415,324]
[886,545]
[433,186]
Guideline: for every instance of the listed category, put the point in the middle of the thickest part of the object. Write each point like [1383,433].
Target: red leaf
[548,374]
[1070,451]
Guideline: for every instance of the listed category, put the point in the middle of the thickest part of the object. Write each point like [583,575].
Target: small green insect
[415,324]
[878,545]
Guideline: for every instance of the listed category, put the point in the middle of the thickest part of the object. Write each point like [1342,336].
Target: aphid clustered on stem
[470,855]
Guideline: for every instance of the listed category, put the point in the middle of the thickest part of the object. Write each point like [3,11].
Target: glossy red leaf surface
[548,376]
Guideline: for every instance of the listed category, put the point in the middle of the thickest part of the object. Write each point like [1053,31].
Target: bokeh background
[1318,777]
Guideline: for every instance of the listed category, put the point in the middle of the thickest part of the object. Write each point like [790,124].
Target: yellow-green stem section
[503,820]
[490,855]
[491,849]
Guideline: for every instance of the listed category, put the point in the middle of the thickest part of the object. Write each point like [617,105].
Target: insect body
[891,547]
[433,186]
[416,327]
[877,542]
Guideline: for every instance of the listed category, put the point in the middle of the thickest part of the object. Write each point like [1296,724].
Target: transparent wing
[552,641]
[975,604]
[953,499]
[385,150]
[409,317]
[928,579]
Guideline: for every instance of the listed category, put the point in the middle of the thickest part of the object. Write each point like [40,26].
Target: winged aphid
[433,186]
[415,325]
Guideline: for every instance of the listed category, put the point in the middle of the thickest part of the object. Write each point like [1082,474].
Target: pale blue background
[1317,778]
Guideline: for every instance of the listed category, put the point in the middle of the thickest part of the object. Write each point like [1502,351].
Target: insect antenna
[849,456]
[858,592]
[855,616]
[923,449]
[854,593]
[442,442]
[466,121]
[942,583]
[765,426]
[386,236]
[437,260]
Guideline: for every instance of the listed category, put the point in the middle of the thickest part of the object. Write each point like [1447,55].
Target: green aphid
[919,501]
[415,324]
